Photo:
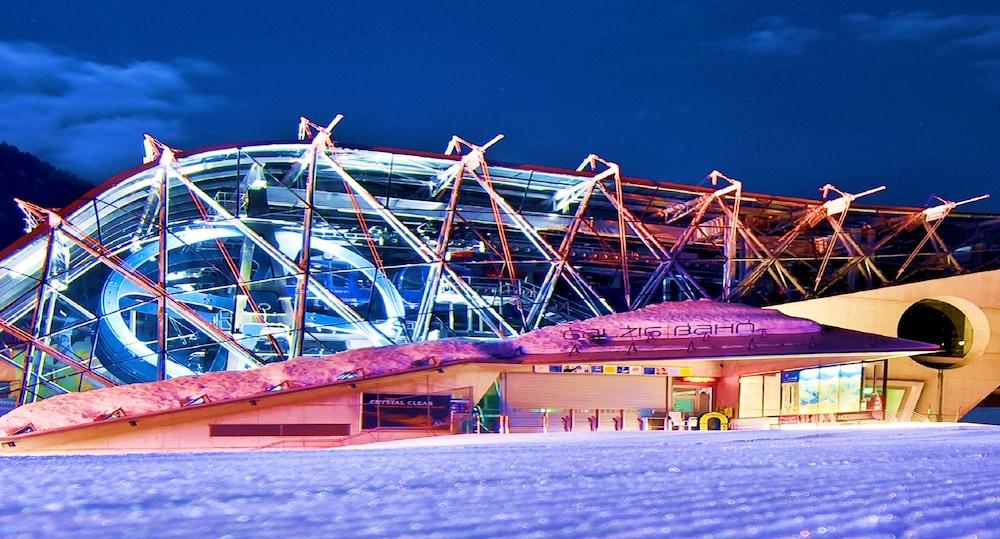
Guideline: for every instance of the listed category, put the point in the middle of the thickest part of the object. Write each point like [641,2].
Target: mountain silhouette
[27,177]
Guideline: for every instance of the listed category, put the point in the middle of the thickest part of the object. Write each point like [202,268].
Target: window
[831,389]
[760,395]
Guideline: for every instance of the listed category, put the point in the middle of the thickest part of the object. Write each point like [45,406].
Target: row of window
[829,389]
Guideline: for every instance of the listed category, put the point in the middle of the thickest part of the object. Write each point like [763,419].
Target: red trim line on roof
[762,198]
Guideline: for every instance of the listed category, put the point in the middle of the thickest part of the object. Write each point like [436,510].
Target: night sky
[785,96]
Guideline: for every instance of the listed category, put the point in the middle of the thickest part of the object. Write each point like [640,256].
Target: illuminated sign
[614,369]
[395,410]
[602,335]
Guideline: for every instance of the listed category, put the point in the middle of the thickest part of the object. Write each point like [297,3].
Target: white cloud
[89,117]
[774,36]
[974,36]
[945,30]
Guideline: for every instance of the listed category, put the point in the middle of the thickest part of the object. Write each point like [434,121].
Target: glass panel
[809,391]
[684,401]
[790,393]
[893,399]
[772,394]
[850,388]
[751,396]
[828,389]
[873,379]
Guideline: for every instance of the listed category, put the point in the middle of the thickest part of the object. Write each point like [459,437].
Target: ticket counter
[601,397]
[578,401]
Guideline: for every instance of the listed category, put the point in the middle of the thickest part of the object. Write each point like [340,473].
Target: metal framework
[233,257]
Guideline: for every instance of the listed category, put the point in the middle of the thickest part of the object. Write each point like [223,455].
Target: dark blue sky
[786,96]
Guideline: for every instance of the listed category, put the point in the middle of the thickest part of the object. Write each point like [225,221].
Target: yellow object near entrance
[723,421]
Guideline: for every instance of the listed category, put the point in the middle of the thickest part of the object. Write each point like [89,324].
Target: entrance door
[692,400]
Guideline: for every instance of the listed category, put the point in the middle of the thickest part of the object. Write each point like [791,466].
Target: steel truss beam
[476,160]
[292,267]
[931,218]
[432,286]
[155,290]
[555,270]
[36,319]
[813,216]
[698,207]
[934,214]
[493,319]
[668,265]
[40,344]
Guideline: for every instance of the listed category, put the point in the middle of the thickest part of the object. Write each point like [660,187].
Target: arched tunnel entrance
[937,322]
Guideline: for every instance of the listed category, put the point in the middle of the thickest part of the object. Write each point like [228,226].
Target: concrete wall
[878,311]
[188,430]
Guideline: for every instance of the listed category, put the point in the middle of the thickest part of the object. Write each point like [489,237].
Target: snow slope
[940,482]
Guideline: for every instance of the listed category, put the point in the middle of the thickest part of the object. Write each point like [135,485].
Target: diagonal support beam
[779,273]
[898,228]
[812,217]
[112,261]
[320,141]
[699,209]
[40,295]
[855,251]
[493,319]
[931,219]
[652,243]
[838,208]
[328,298]
[597,304]
[435,269]
[24,336]
[585,189]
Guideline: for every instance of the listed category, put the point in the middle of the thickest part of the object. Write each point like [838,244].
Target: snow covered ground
[919,482]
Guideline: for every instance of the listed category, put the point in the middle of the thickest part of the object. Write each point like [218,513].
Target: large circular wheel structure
[237,256]
[127,338]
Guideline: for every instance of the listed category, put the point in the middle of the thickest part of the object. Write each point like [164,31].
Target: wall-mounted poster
[850,388]
[394,410]
[809,391]
[829,389]
[614,369]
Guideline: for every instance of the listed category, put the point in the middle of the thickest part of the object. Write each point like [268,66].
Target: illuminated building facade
[233,257]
